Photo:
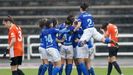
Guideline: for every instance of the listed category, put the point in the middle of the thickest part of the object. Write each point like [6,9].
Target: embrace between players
[72,40]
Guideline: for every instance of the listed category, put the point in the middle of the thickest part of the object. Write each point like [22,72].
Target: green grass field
[98,71]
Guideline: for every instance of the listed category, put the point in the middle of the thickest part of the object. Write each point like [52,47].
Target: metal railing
[6,45]
[30,45]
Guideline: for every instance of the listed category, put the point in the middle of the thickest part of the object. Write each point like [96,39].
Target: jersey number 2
[116,32]
[90,22]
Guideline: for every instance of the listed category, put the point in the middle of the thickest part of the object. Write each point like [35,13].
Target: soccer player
[67,47]
[91,57]
[86,21]
[80,53]
[50,68]
[49,35]
[15,48]
[110,30]
[42,49]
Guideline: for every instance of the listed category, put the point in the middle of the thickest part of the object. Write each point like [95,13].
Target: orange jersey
[112,32]
[17,49]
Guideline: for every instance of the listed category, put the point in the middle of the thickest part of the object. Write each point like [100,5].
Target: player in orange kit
[15,48]
[110,30]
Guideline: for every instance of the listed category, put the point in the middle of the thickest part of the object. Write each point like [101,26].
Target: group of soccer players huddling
[59,45]
[68,43]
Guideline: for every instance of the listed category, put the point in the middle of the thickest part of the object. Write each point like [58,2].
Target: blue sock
[89,73]
[83,68]
[61,69]
[40,69]
[55,70]
[68,69]
[78,69]
[50,68]
[44,68]
[92,71]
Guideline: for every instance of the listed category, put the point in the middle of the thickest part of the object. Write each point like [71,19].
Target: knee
[112,59]
[14,68]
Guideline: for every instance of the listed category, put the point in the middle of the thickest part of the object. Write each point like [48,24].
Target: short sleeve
[12,33]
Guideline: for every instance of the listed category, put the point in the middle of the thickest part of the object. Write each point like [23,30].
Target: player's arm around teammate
[80,53]
[15,41]
[51,46]
[66,50]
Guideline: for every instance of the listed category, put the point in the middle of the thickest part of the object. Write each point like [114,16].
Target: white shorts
[91,53]
[66,52]
[53,54]
[43,53]
[74,53]
[82,52]
[91,33]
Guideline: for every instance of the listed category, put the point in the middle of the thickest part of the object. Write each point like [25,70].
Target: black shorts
[16,60]
[112,51]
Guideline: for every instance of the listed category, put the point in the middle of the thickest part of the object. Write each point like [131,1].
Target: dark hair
[70,19]
[42,22]
[48,23]
[104,25]
[84,6]
[9,18]
[55,21]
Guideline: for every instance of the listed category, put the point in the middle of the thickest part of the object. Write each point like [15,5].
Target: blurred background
[26,13]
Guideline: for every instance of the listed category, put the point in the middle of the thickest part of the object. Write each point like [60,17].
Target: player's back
[68,36]
[77,35]
[50,37]
[16,32]
[86,20]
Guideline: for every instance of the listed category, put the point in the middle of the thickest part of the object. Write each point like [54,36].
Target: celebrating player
[86,21]
[91,57]
[42,48]
[67,47]
[15,48]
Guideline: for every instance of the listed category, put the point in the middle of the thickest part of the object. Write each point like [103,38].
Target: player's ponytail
[42,22]
[70,19]
[84,6]
[11,19]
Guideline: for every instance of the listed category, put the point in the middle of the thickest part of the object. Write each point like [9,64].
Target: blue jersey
[86,20]
[68,36]
[77,35]
[90,43]
[61,26]
[42,43]
[49,36]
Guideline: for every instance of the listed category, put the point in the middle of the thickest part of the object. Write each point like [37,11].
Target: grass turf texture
[98,71]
